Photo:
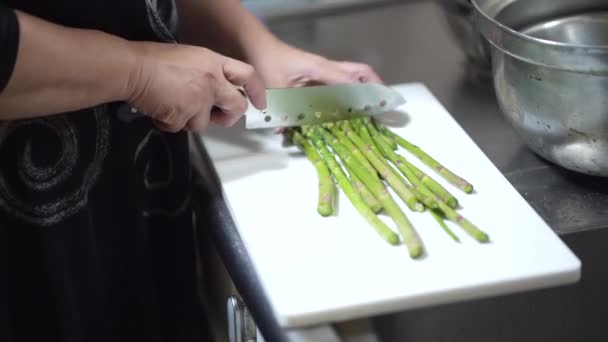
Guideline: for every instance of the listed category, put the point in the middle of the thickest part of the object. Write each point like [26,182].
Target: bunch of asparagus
[367,155]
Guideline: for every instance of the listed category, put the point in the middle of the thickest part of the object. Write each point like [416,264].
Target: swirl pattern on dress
[55,164]
[162,193]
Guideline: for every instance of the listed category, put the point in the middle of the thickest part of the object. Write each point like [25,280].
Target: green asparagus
[405,228]
[381,228]
[353,149]
[421,191]
[326,185]
[403,190]
[432,184]
[451,177]
[364,192]
[465,224]
[371,127]
[443,226]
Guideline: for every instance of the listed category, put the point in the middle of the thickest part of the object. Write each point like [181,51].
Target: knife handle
[217,109]
[128,114]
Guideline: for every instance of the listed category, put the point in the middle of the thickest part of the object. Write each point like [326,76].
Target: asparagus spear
[409,235]
[368,198]
[326,185]
[451,177]
[428,181]
[465,224]
[431,184]
[371,127]
[353,149]
[417,184]
[381,228]
[364,135]
[353,125]
[364,192]
[404,191]
[422,192]
[442,224]
[380,128]
[447,210]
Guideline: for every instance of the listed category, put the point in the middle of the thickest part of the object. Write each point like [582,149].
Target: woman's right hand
[178,85]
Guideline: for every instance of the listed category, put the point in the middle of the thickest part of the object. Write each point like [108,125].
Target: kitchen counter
[281,10]
[409,42]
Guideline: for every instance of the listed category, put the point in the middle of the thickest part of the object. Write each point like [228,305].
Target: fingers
[360,72]
[170,120]
[198,123]
[171,128]
[332,72]
[244,75]
[229,100]
[328,73]
[224,120]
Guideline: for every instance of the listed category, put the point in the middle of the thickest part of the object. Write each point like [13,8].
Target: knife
[288,107]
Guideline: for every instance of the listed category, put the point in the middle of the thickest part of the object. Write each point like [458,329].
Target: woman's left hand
[285,66]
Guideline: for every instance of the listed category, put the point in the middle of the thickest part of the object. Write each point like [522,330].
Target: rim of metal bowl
[531,38]
[565,56]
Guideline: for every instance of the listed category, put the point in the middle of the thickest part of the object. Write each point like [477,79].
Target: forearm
[61,69]
[224,26]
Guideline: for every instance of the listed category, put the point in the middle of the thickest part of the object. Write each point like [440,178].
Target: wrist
[129,71]
[255,41]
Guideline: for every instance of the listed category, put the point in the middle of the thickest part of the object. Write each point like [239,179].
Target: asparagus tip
[418,207]
[416,251]
[452,203]
[376,208]
[325,211]
[482,237]
[393,239]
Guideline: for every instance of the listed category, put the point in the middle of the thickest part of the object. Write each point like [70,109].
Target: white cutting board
[317,270]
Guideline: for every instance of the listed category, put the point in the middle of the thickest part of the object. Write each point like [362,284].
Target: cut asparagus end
[318,136]
[417,207]
[465,224]
[326,186]
[448,175]
[376,208]
[416,251]
[391,238]
[325,210]
[482,237]
[452,203]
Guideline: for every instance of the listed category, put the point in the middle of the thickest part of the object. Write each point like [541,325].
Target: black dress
[96,233]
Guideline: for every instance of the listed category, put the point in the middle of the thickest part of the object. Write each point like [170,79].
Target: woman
[96,235]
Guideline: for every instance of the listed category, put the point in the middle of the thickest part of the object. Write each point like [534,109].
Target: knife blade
[287,107]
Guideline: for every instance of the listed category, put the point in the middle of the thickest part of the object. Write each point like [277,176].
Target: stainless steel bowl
[550,73]
[459,15]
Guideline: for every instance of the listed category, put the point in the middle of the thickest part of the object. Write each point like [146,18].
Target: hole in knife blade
[267,118]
